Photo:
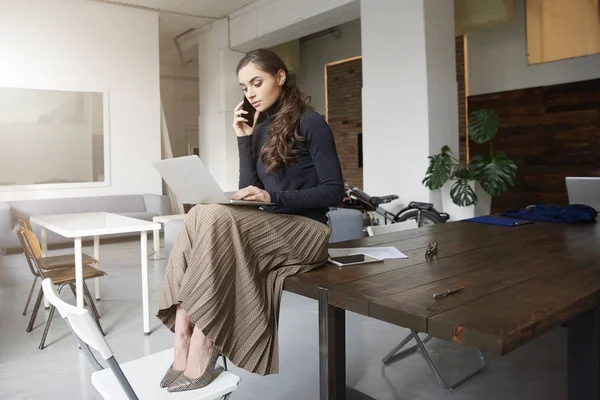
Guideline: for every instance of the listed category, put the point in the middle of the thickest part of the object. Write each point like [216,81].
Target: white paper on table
[378,252]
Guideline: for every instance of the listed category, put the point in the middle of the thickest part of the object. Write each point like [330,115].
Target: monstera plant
[494,171]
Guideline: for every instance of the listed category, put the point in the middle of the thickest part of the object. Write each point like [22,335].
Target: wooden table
[520,282]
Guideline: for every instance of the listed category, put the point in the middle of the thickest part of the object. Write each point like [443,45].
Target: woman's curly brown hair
[284,132]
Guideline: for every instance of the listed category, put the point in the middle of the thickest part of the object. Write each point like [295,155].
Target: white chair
[389,228]
[137,379]
[393,355]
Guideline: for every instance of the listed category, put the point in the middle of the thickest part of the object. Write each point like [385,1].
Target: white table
[158,254]
[78,226]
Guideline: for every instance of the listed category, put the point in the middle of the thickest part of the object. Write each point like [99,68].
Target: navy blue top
[308,186]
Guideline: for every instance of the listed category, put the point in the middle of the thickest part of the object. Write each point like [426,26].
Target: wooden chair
[50,262]
[135,378]
[58,276]
[395,355]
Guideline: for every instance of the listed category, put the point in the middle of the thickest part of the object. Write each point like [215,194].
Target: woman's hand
[252,193]
[240,125]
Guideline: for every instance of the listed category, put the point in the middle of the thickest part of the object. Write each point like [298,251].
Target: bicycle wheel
[427,217]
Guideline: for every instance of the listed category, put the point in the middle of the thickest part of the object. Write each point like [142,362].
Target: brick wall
[344,102]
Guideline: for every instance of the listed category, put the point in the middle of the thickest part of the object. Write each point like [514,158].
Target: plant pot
[457,213]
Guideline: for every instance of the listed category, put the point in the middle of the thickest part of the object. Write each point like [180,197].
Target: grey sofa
[142,206]
[345,224]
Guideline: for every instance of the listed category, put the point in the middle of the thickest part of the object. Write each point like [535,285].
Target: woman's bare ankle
[183,337]
[199,354]
[181,348]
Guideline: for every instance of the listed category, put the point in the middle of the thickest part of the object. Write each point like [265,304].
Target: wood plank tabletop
[519,282]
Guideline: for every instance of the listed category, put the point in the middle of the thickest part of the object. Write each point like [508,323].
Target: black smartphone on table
[354,259]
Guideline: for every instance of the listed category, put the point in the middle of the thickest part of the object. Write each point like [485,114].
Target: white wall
[82,45]
[180,101]
[317,52]
[498,60]
[179,92]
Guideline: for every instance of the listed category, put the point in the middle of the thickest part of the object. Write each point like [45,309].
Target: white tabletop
[92,224]
[167,218]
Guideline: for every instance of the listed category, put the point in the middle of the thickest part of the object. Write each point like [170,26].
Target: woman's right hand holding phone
[240,125]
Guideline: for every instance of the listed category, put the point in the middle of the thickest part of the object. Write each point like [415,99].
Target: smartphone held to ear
[247,106]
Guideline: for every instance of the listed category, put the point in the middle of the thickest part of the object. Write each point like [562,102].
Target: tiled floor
[535,371]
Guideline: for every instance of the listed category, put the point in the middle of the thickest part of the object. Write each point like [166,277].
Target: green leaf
[483,124]
[462,171]
[439,170]
[477,165]
[462,193]
[495,174]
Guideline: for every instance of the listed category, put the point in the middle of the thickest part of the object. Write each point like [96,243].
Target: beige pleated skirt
[227,268]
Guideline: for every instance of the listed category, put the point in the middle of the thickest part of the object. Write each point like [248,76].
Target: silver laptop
[192,183]
[584,190]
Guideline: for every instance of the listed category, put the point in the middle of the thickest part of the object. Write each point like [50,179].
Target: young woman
[224,278]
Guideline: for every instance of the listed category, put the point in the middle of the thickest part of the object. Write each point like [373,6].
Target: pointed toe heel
[170,377]
[183,383]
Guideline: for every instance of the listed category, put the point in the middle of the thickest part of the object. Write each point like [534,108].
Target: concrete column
[219,94]
[409,93]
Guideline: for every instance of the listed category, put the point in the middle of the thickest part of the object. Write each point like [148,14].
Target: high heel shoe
[169,377]
[182,382]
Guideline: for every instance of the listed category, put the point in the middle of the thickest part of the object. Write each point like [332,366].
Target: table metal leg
[78,272]
[97,257]
[583,375]
[156,240]
[157,252]
[145,301]
[332,349]
[332,353]
[44,238]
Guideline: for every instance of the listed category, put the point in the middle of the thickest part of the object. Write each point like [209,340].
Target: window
[52,139]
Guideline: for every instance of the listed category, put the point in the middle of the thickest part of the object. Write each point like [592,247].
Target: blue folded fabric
[570,213]
[487,219]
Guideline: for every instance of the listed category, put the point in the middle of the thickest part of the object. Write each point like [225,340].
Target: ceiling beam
[118,3]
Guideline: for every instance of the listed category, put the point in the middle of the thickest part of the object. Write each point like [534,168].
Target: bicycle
[424,213]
